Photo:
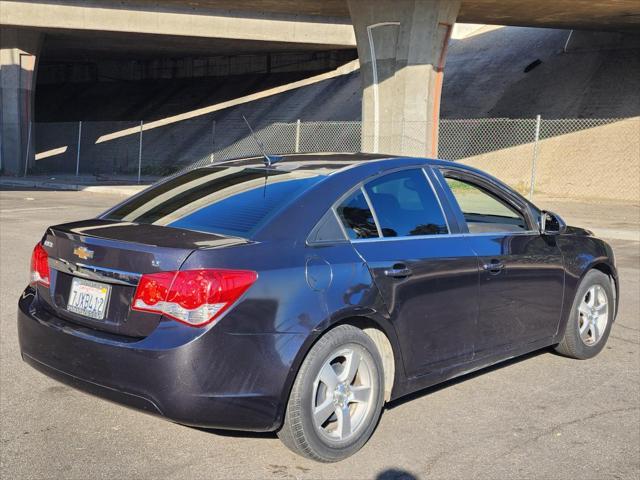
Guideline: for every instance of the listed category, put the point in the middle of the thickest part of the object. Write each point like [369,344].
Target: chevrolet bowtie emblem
[83,253]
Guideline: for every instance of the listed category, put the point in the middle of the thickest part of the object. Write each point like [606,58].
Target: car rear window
[226,200]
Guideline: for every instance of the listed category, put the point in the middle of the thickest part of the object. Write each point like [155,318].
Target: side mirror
[551,223]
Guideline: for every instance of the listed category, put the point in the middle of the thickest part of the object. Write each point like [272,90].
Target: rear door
[427,275]
[522,273]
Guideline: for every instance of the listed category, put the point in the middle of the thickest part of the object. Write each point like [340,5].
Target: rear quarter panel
[301,291]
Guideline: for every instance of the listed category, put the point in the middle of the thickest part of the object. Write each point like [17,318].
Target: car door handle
[494,266]
[398,271]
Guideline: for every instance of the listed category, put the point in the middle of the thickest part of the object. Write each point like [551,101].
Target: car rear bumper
[211,379]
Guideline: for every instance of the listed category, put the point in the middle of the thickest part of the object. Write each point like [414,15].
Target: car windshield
[225,200]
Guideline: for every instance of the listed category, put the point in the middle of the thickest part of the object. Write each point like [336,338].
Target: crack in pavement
[554,428]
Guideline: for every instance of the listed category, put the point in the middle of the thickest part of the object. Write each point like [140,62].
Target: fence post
[297,149]
[213,142]
[534,159]
[78,149]
[26,157]
[140,151]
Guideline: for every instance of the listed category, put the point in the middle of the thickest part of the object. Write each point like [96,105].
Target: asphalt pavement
[542,416]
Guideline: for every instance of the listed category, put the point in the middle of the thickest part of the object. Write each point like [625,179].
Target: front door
[427,277]
[521,271]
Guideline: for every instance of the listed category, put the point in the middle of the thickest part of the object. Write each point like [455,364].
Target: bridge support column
[19,51]
[402,48]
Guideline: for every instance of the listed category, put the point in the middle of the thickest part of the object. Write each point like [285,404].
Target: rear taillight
[39,266]
[194,297]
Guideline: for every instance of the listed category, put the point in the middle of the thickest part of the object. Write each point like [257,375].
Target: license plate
[88,298]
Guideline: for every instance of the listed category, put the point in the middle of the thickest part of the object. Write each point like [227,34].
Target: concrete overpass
[401,45]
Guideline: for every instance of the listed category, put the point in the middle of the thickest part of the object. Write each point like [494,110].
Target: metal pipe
[534,159]
[567,42]
[26,157]
[140,152]
[297,148]
[78,149]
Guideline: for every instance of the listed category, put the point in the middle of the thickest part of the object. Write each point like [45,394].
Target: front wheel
[590,318]
[336,398]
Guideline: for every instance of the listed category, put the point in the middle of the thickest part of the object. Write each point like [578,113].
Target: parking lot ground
[543,416]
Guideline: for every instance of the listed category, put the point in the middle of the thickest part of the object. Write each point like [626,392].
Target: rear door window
[405,205]
[225,200]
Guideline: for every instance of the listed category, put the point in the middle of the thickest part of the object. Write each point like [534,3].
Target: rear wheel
[590,319]
[337,397]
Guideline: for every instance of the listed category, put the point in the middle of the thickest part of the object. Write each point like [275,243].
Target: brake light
[193,297]
[39,266]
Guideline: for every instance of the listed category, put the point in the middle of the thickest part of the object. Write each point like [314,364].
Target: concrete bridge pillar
[19,51]
[402,47]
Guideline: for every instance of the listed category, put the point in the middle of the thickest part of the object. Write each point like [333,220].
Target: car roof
[333,162]
[308,161]
[329,162]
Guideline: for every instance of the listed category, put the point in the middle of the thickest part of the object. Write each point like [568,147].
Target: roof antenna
[268,160]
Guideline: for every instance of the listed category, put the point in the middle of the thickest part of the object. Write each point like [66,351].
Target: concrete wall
[178,19]
[18,63]
[162,68]
[486,77]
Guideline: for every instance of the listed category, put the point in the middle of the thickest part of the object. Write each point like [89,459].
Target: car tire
[590,319]
[332,382]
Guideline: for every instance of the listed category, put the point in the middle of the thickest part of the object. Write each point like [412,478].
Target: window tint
[327,230]
[483,211]
[226,200]
[406,205]
[357,217]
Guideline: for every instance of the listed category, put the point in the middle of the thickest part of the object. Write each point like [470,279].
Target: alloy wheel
[593,315]
[343,395]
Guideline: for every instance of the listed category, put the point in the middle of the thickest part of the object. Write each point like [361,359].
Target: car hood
[578,231]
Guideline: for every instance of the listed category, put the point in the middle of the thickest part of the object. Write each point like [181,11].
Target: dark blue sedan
[300,296]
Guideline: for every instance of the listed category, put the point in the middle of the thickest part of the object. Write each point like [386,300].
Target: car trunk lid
[96,265]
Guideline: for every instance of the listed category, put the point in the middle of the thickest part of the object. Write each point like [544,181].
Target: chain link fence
[567,158]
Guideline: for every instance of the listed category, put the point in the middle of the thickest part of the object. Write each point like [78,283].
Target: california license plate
[88,298]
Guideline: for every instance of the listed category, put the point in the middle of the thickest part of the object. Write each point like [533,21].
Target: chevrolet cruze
[299,296]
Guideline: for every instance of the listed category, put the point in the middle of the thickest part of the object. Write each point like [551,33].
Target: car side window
[356,217]
[484,212]
[327,230]
[405,205]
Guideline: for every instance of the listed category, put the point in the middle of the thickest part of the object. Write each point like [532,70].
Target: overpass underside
[401,44]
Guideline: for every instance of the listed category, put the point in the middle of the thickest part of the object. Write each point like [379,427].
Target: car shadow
[236,433]
[393,474]
[463,378]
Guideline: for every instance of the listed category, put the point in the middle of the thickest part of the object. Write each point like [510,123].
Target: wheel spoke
[344,421]
[584,309]
[360,394]
[584,327]
[600,309]
[601,297]
[595,331]
[351,367]
[592,296]
[323,411]
[584,332]
[328,377]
